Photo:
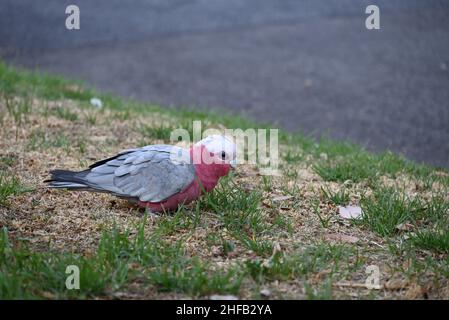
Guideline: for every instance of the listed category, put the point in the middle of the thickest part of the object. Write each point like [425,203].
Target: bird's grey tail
[65,179]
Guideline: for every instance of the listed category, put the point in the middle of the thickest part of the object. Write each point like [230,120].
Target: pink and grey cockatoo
[158,177]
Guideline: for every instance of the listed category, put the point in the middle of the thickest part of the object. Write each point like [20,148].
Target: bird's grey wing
[149,174]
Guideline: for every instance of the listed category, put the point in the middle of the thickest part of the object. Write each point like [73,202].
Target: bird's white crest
[216,144]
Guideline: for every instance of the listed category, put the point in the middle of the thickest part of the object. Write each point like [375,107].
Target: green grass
[156,263]
[9,186]
[339,198]
[181,220]
[216,239]
[65,113]
[90,118]
[358,167]
[159,133]
[82,146]
[239,214]
[25,274]
[15,83]
[165,266]
[262,248]
[6,162]
[388,208]
[324,220]
[428,175]
[267,183]
[40,139]
[18,110]
[436,212]
[299,265]
[122,115]
[236,208]
[437,241]
[321,292]
[171,269]
[292,157]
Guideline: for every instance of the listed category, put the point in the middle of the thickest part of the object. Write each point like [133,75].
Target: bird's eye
[223,155]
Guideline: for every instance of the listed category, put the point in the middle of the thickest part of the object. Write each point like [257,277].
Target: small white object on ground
[265,293]
[96,102]
[350,212]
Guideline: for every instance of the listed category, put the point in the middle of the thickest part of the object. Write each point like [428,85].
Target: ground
[254,236]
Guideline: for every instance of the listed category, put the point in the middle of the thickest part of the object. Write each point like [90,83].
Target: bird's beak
[233,163]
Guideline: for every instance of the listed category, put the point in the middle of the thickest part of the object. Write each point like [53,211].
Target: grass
[172,270]
[6,162]
[180,220]
[17,109]
[236,208]
[437,241]
[91,118]
[310,260]
[292,157]
[65,113]
[357,165]
[339,198]
[165,266]
[27,274]
[40,139]
[238,213]
[235,240]
[156,133]
[9,186]
[324,220]
[388,208]
[322,292]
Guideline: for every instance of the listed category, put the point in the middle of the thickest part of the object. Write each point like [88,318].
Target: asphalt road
[308,66]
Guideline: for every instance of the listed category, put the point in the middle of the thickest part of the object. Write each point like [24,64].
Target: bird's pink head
[215,155]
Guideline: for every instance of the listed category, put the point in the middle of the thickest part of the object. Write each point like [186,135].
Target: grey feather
[123,170]
[144,158]
[146,173]
[101,179]
[67,185]
[104,169]
[130,159]
[115,163]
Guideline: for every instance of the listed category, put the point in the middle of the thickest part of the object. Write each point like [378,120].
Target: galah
[157,177]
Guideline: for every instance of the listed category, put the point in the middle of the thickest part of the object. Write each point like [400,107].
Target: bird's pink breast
[192,192]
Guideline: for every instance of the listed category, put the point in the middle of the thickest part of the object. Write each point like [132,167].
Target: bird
[156,177]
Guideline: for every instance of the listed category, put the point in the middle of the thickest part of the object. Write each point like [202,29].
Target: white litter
[96,102]
[350,212]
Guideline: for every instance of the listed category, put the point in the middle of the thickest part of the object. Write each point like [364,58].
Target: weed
[65,113]
[339,198]
[9,186]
